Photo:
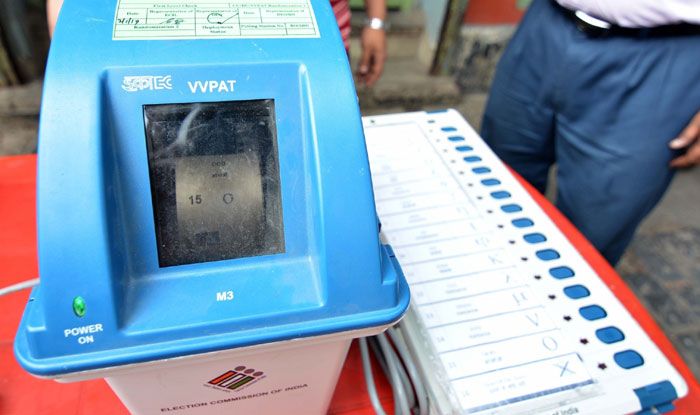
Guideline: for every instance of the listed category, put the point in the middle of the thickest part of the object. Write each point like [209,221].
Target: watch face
[215,180]
[375,23]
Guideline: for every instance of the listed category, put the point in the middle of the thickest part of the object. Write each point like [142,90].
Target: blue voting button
[472,159]
[628,359]
[449,129]
[547,254]
[490,182]
[576,291]
[464,148]
[592,312]
[481,170]
[511,208]
[534,238]
[561,273]
[522,223]
[501,194]
[609,335]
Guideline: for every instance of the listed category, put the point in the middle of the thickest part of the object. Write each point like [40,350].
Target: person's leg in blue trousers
[604,109]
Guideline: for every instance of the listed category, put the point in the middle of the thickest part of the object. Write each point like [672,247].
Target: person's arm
[689,140]
[52,9]
[373,45]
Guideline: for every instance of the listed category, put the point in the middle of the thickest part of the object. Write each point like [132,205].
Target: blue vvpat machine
[207,232]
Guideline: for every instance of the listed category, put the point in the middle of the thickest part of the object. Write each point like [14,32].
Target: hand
[689,139]
[373,55]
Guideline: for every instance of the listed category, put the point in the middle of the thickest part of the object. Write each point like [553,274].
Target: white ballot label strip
[217,19]
[501,329]
[464,286]
[498,328]
[533,380]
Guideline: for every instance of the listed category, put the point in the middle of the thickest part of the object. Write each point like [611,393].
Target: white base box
[290,377]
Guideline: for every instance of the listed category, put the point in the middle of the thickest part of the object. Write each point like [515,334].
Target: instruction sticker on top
[214,19]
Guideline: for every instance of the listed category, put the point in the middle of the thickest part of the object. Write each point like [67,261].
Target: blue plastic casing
[96,231]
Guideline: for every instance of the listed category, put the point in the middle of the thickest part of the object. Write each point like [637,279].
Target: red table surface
[20,393]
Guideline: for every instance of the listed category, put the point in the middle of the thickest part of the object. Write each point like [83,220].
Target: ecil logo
[237,378]
[147,82]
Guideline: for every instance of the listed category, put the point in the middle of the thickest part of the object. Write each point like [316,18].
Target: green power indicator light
[79,307]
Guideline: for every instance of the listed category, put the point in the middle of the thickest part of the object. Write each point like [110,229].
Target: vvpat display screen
[215,180]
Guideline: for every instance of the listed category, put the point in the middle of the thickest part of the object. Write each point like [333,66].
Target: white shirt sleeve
[639,13]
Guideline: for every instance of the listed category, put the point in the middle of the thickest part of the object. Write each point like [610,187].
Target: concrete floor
[662,265]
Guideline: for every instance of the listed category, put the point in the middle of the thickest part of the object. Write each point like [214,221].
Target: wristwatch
[374,23]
